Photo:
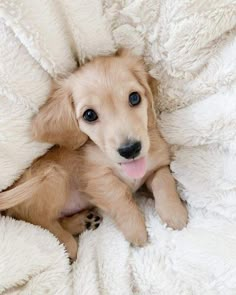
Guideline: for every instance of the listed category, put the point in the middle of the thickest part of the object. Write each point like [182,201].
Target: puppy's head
[108,100]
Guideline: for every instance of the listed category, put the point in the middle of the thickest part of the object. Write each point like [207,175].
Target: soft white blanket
[190,47]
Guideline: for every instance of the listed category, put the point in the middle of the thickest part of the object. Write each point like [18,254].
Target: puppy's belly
[75,203]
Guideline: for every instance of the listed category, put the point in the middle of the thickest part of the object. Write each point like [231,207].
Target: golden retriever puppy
[107,103]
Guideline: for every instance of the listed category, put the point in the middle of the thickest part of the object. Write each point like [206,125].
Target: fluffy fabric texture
[190,47]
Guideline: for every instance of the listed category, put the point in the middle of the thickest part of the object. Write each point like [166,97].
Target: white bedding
[190,47]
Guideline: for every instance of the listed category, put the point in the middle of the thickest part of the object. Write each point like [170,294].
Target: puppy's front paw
[175,215]
[140,239]
[135,231]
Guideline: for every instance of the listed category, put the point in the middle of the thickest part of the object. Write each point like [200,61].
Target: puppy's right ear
[56,120]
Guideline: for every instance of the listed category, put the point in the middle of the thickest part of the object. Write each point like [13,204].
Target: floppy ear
[138,68]
[148,83]
[56,121]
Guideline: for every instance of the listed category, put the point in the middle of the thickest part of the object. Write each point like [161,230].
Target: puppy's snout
[130,150]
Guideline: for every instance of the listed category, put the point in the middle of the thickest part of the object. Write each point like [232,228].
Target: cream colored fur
[189,46]
[89,167]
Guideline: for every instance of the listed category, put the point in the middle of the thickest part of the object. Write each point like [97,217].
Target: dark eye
[134,98]
[90,115]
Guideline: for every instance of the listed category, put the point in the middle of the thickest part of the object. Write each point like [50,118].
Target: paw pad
[93,220]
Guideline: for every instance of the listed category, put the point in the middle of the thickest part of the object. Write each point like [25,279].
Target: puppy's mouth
[135,168]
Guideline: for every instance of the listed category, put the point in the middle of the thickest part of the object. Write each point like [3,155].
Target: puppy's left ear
[150,92]
[138,68]
[56,121]
[149,84]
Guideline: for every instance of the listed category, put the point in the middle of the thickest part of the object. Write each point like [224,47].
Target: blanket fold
[189,46]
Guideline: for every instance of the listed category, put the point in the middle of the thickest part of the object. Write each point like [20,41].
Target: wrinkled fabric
[189,46]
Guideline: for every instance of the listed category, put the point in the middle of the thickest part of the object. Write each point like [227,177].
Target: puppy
[102,119]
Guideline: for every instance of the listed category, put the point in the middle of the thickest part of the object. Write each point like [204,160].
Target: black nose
[130,150]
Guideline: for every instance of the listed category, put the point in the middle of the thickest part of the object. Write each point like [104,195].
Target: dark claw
[96,225]
[90,216]
[97,218]
[88,225]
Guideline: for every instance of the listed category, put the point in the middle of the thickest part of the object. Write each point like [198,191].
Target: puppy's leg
[76,224]
[167,201]
[115,198]
[65,237]
[46,203]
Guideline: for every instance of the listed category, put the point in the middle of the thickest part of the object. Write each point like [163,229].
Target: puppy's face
[111,106]
[108,100]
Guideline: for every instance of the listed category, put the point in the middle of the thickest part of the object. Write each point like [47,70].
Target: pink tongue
[135,169]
